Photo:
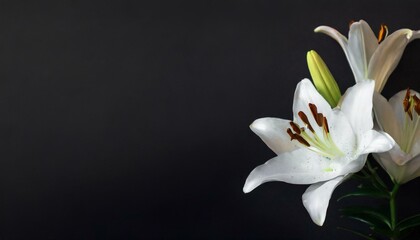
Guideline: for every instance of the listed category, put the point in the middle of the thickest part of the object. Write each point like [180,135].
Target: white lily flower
[400,118]
[321,146]
[370,57]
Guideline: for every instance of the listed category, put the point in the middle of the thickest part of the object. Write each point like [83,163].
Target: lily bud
[323,79]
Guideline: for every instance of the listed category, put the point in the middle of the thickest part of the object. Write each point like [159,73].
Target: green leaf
[356,233]
[383,231]
[409,222]
[360,177]
[405,234]
[370,216]
[366,192]
[376,180]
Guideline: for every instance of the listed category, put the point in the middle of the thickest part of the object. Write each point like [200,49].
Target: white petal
[387,55]
[361,45]
[298,167]
[317,197]
[385,117]
[396,103]
[306,93]
[415,149]
[342,132]
[415,35]
[412,169]
[375,142]
[370,40]
[386,160]
[358,49]
[354,165]
[357,106]
[342,40]
[273,132]
[400,173]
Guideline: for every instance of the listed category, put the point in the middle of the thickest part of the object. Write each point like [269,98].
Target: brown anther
[407,104]
[291,134]
[319,119]
[406,101]
[351,22]
[326,128]
[301,140]
[304,118]
[416,104]
[294,136]
[295,127]
[383,32]
[313,109]
[317,116]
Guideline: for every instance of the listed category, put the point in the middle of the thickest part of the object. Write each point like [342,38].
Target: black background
[129,119]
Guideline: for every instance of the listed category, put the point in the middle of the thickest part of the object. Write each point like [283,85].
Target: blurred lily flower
[371,57]
[400,118]
[321,145]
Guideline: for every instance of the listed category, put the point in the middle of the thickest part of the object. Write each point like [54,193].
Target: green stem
[393,208]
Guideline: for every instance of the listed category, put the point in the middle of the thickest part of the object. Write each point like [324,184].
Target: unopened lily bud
[323,79]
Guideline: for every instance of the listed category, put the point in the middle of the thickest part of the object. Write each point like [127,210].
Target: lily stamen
[295,127]
[304,119]
[411,106]
[383,33]
[319,118]
[323,144]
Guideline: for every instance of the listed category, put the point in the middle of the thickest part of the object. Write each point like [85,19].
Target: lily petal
[358,49]
[416,35]
[388,54]
[357,106]
[301,166]
[398,110]
[396,103]
[339,126]
[385,117]
[273,133]
[306,93]
[375,142]
[354,165]
[367,58]
[414,169]
[336,35]
[400,173]
[362,44]
[317,197]
[342,40]
[370,40]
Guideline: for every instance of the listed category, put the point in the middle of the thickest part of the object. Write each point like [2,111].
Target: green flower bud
[323,79]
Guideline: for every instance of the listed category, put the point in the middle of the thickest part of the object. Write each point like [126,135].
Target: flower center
[321,144]
[411,105]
